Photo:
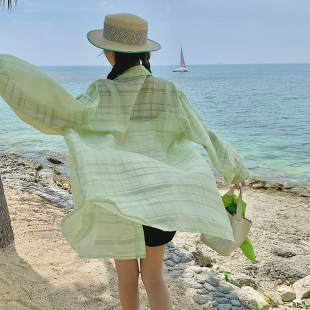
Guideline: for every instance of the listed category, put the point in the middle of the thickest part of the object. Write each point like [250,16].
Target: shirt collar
[133,72]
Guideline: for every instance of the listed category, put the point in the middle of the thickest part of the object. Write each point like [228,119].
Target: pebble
[225,307]
[202,291]
[201,281]
[222,300]
[232,296]
[200,299]
[209,287]
[166,269]
[196,285]
[213,304]
[188,275]
[175,273]
[166,257]
[207,308]
[169,263]
[218,294]
[179,266]
[223,289]
[212,281]
[176,258]
[235,303]
[237,308]
[245,304]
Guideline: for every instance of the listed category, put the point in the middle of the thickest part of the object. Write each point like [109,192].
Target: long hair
[124,61]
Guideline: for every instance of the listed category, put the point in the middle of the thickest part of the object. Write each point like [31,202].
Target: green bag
[230,203]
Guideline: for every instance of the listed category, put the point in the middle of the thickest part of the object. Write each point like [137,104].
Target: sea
[262,109]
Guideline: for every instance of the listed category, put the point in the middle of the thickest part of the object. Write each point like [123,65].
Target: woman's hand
[242,183]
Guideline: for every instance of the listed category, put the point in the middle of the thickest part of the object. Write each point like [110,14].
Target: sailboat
[182,64]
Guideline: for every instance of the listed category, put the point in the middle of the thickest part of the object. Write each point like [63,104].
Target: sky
[53,33]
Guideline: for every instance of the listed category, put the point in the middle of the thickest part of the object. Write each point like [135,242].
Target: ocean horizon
[262,109]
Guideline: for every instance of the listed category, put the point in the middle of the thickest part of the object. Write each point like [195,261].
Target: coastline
[280,235]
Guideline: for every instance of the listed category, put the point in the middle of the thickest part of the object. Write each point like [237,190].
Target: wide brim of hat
[96,38]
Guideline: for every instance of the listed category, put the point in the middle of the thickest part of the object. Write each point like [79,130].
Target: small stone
[209,287]
[201,281]
[223,289]
[65,186]
[199,299]
[166,257]
[180,283]
[223,300]
[238,308]
[245,304]
[175,273]
[169,263]
[286,295]
[213,303]
[258,185]
[172,249]
[212,281]
[207,308]
[55,160]
[186,259]
[195,285]
[225,307]
[179,266]
[176,258]
[170,245]
[218,294]
[235,303]
[188,275]
[202,291]
[232,296]
[196,269]
[166,269]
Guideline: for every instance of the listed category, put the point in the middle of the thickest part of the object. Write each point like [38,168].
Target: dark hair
[124,61]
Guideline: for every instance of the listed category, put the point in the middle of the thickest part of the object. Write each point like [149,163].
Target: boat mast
[182,62]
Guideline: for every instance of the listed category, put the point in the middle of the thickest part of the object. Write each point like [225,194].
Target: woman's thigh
[151,266]
[127,270]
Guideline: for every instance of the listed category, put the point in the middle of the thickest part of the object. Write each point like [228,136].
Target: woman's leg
[152,277]
[128,276]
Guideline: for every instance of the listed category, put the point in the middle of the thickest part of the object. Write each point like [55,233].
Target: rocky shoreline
[217,281]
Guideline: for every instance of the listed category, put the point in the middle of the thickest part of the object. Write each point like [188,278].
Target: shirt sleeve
[40,101]
[225,157]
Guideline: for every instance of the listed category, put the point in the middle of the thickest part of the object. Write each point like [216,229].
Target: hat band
[124,35]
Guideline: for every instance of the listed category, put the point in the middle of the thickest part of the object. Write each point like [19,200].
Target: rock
[61,180]
[218,294]
[55,170]
[225,307]
[179,266]
[166,269]
[195,285]
[55,160]
[213,303]
[212,281]
[169,263]
[207,308]
[245,304]
[188,275]
[200,258]
[186,259]
[202,291]
[286,294]
[235,303]
[209,287]
[180,283]
[255,181]
[201,281]
[261,302]
[288,186]
[175,273]
[223,289]
[302,287]
[166,257]
[66,186]
[200,299]
[258,185]
[196,269]
[243,279]
[276,186]
[176,258]
[232,296]
[285,250]
[222,300]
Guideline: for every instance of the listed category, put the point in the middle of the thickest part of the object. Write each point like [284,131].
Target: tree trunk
[6,232]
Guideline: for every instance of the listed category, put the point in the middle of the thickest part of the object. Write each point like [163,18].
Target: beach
[40,270]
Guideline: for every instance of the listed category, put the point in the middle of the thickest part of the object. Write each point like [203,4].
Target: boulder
[276,186]
[55,160]
[286,294]
[260,301]
[302,287]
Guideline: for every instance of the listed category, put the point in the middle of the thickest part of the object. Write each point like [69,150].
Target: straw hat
[125,33]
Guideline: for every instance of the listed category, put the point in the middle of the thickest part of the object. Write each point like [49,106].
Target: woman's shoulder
[162,83]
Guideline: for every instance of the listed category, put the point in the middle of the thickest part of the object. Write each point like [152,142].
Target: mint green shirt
[131,157]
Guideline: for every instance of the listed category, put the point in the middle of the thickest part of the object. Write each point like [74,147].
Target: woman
[136,178]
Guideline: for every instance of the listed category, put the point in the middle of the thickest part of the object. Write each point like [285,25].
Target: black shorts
[155,237]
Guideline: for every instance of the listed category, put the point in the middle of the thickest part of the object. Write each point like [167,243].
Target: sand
[41,271]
